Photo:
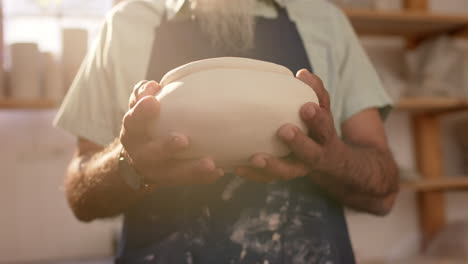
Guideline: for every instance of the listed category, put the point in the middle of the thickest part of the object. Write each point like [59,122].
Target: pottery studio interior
[229,131]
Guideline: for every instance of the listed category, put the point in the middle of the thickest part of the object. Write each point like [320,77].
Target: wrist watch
[129,174]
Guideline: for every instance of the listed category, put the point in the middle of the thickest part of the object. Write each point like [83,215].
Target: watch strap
[129,174]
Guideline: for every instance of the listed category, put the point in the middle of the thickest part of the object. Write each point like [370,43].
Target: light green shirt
[98,98]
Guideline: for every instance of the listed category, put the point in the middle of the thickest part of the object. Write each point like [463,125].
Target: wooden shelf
[442,184]
[412,24]
[27,104]
[416,23]
[432,104]
[414,104]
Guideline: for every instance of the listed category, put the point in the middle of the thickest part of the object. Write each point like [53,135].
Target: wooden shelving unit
[455,183]
[39,104]
[432,104]
[417,104]
[410,24]
[415,23]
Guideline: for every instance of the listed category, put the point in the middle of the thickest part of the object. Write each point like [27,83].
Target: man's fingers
[154,153]
[279,168]
[188,172]
[174,143]
[300,144]
[143,89]
[317,85]
[318,121]
[161,151]
[138,120]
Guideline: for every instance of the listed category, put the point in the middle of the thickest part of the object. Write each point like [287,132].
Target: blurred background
[419,48]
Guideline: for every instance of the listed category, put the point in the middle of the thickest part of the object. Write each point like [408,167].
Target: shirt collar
[173,7]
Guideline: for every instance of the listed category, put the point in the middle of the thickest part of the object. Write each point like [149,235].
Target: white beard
[229,23]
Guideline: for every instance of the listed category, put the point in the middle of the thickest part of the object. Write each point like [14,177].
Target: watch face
[129,174]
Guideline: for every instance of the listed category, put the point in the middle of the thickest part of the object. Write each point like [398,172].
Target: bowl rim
[222,63]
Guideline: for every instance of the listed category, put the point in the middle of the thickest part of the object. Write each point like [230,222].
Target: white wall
[35,222]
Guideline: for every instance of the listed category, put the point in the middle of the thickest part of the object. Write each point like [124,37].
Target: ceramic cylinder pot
[25,76]
[231,108]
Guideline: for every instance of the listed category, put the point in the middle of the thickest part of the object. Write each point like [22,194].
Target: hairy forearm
[363,178]
[94,187]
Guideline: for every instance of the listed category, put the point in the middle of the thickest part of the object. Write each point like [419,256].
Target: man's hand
[153,157]
[359,170]
[310,152]
[94,186]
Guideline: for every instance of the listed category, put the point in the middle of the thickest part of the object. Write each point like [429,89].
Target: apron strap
[282,12]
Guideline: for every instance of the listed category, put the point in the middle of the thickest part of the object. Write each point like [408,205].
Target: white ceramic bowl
[231,108]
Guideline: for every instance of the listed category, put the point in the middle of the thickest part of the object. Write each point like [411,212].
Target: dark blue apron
[232,220]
